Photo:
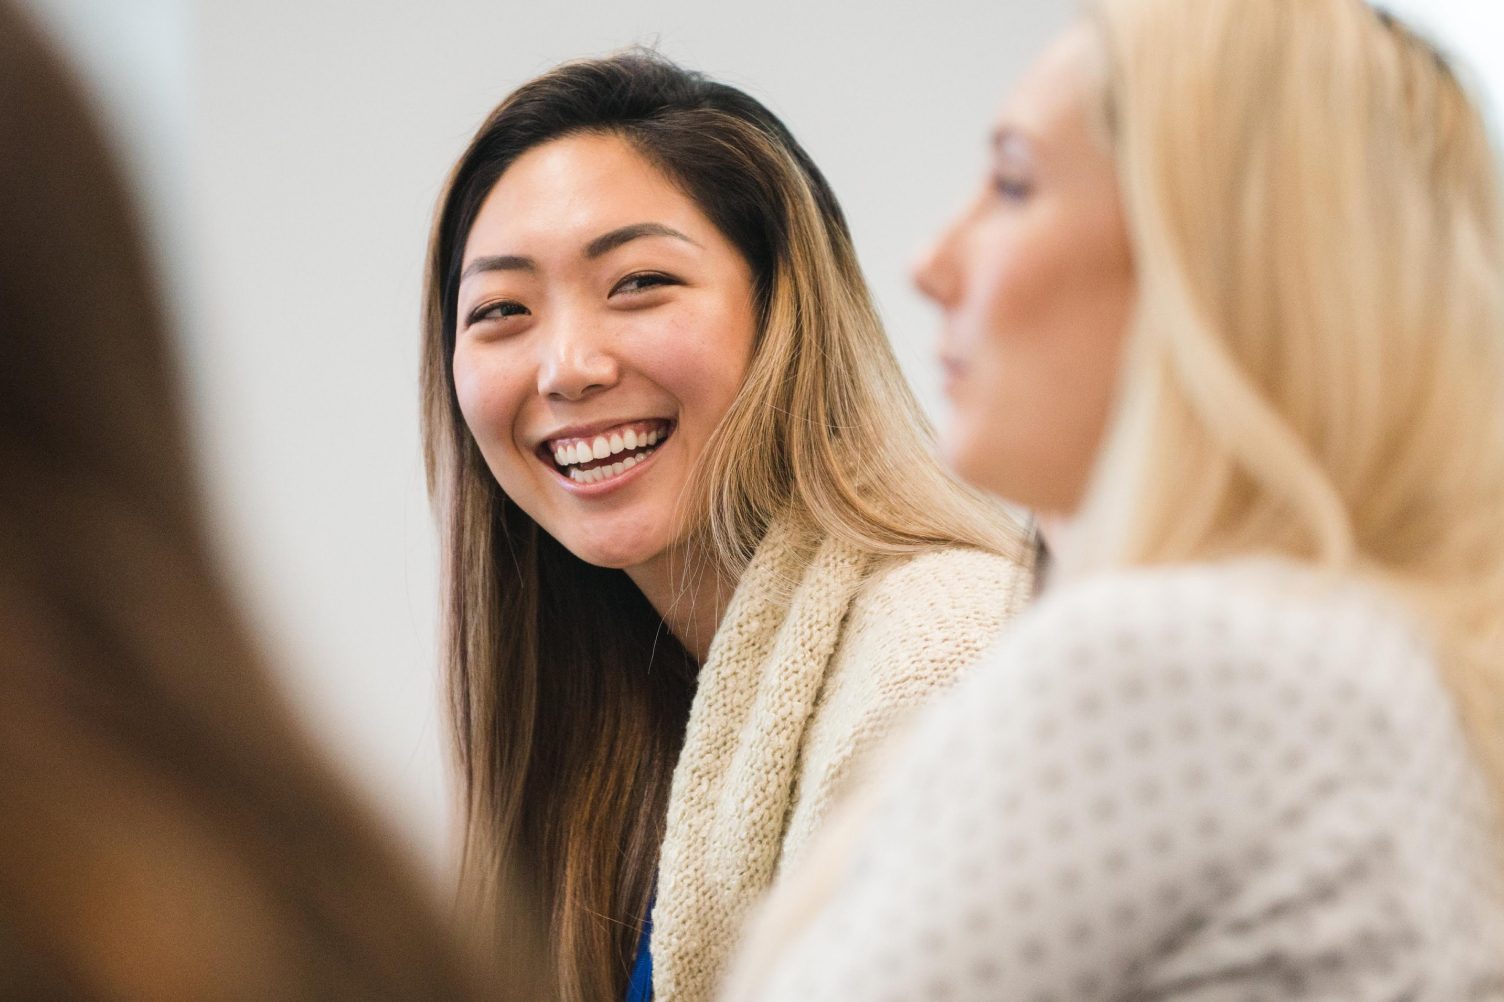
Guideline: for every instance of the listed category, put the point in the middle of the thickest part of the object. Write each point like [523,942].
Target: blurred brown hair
[165,830]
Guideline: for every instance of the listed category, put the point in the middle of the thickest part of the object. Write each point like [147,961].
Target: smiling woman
[701,556]
[660,313]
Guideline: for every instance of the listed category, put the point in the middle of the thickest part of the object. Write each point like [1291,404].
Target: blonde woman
[700,554]
[1230,308]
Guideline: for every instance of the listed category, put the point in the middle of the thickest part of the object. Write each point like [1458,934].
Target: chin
[964,454]
[978,460]
[617,553]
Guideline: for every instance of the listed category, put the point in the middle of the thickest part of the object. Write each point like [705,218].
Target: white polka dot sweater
[1208,783]
[822,652]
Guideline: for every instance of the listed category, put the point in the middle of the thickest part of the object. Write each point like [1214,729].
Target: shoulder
[920,620]
[916,625]
[946,576]
[934,600]
[1284,616]
[1242,656]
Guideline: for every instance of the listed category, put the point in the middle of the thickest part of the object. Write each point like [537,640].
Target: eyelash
[645,280]
[654,279]
[508,307]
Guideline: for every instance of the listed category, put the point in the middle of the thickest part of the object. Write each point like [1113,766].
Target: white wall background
[289,153]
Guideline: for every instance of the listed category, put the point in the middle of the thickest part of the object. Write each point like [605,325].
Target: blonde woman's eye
[1014,189]
[642,281]
[496,311]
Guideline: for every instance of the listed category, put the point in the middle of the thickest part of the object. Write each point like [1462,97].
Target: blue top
[640,987]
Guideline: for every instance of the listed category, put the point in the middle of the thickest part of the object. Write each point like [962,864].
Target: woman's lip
[955,372]
[594,428]
[601,487]
[954,368]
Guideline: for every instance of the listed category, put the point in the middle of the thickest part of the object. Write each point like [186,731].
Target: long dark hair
[567,739]
[165,829]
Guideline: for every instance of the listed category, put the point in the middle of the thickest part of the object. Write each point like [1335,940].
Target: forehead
[577,188]
[1057,86]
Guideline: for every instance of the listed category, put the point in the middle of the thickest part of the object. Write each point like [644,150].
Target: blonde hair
[1317,364]
[566,743]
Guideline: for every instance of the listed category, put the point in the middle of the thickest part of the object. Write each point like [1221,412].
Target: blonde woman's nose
[935,273]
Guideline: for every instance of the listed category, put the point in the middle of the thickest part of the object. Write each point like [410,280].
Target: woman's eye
[496,311]
[643,281]
[1014,189]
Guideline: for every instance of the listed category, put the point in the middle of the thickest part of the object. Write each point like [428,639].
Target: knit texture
[1209,783]
[821,653]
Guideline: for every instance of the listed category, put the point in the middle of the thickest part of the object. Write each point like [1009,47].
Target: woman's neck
[689,592]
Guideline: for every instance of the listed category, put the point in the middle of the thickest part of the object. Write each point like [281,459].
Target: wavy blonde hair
[1317,364]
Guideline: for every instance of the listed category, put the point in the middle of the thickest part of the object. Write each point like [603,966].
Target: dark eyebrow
[610,241]
[502,262]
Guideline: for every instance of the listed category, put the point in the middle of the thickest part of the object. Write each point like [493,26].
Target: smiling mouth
[607,454]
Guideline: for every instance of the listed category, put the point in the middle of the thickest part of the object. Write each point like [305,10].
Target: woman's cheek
[974,337]
[486,403]
[986,423]
[701,360]
[467,390]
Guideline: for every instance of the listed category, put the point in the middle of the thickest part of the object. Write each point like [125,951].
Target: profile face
[603,329]
[1036,282]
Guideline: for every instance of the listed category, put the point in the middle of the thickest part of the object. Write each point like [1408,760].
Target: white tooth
[587,476]
[652,438]
[600,472]
[616,444]
[600,448]
[617,469]
[630,439]
[559,456]
[568,452]
[574,475]
[629,462]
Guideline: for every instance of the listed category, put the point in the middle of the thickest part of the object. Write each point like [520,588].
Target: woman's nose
[936,271]
[574,366]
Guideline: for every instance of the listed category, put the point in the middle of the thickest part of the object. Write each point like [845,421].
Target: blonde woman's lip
[954,372]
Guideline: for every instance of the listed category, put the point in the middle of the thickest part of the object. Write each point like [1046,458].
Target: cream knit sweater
[821,652]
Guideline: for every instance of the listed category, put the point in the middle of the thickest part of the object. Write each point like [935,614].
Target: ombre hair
[1316,368]
[566,739]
